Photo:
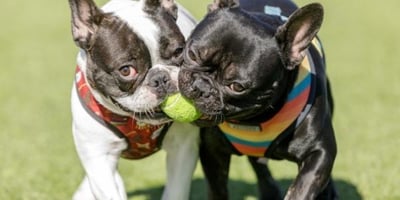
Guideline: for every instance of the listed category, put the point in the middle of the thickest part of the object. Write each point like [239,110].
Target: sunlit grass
[37,59]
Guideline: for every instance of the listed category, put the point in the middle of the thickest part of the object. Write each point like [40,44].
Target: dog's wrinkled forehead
[229,36]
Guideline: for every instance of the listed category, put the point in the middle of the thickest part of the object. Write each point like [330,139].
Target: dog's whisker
[135,114]
[150,111]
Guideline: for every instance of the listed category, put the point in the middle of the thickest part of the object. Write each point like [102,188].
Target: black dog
[260,76]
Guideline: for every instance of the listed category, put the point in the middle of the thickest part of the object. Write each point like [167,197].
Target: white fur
[139,21]
[99,149]
[143,99]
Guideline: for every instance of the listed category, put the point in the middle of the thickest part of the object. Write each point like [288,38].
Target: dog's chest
[143,139]
[255,139]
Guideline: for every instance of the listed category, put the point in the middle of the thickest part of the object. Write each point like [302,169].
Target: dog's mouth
[228,113]
[154,114]
[208,120]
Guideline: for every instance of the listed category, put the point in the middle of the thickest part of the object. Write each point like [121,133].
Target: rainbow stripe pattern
[254,140]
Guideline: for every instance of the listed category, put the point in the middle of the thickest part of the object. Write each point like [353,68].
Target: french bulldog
[128,63]
[258,76]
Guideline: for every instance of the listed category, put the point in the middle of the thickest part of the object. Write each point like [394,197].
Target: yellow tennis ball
[180,109]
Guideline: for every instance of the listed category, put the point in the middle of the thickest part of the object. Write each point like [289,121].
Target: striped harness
[254,140]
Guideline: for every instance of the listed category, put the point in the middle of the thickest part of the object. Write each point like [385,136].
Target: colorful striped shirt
[255,140]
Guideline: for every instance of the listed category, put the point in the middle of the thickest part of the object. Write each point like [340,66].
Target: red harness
[143,139]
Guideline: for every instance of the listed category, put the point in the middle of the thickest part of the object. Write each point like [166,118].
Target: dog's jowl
[128,63]
[257,73]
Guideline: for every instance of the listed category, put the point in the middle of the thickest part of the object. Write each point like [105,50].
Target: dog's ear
[295,36]
[85,18]
[151,6]
[218,4]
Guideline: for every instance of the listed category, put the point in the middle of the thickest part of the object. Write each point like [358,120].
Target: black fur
[239,66]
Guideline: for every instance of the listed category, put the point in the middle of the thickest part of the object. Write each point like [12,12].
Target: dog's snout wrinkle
[192,59]
[177,60]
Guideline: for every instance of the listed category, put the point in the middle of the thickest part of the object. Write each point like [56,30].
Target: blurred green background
[37,60]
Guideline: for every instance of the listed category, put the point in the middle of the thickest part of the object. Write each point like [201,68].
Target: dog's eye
[177,57]
[178,51]
[237,87]
[128,72]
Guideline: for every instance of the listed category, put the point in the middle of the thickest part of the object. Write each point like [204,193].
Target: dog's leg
[215,160]
[312,178]
[84,191]
[101,168]
[104,180]
[329,192]
[267,186]
[316,162]
[182,146]
[99,151]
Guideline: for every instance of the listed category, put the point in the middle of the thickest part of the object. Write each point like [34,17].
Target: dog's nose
[194,86]
[202,88]
[162,82]
[159,79]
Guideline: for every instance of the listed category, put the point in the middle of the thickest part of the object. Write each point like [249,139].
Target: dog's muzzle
[205,95]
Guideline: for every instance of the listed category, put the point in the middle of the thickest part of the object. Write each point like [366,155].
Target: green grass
[37,59]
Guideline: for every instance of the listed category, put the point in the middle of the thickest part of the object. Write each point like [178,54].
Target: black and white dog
[127,64]
[258,76]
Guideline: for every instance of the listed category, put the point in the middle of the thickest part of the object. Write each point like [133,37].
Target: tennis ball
[179,108]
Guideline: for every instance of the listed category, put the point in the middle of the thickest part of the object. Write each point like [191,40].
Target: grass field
[37,59]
